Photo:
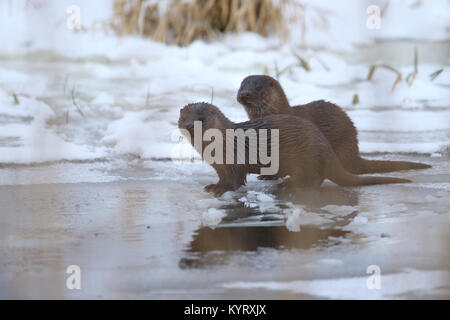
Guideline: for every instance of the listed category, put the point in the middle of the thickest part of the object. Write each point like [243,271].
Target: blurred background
[90,93]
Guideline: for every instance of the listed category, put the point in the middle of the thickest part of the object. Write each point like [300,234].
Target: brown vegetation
[182,21]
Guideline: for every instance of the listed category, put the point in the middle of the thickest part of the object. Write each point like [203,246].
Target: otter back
[262,95]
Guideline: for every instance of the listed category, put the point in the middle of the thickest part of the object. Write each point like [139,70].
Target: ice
[393,286]
[294,220]
[426,148]
[331,262]
[298,216]
[360,220]
[88,129]
[339,210]
[405,121]
[212,217]
[261,201]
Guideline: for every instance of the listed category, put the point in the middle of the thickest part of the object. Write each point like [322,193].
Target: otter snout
[243,95]
[188,125]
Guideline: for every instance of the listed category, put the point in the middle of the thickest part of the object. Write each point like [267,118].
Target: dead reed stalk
[180,22]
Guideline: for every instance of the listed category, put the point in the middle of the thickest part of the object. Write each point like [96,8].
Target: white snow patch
[36,141]
[296,217]
[293,220]
[360,220]
[260,200]
[212,217]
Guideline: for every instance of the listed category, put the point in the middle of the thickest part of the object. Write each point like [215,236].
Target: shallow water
[137,236]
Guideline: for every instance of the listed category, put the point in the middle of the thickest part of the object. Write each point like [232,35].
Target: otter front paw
[286,184]
[217,189]
[209,187]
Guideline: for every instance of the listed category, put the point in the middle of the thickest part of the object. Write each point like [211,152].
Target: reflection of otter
[304,153]
[262,95]
[213,247]
[252,238]
[316,198]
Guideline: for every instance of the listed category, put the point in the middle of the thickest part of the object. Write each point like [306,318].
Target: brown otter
[304,153]
[262,95]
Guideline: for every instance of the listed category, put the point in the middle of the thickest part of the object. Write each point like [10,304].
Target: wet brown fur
[262,95]
[304,153]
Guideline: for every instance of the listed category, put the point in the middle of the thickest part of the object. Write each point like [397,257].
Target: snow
[297,216]
[424,20]
[37,144]
[258,200]
[33,141]
[212,217]
[172,76]
[134,134]
[294,221]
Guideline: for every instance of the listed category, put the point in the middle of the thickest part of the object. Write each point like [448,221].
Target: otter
[304,153]
[262,95]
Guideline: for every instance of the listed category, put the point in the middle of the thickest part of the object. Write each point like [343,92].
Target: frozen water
[88,126]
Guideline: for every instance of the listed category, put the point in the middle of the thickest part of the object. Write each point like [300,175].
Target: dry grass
[387,67]
[182,21]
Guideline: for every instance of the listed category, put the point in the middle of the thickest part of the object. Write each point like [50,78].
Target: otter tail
[376,166]
[343,178]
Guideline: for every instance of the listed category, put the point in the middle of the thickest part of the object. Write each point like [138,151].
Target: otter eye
[258,88]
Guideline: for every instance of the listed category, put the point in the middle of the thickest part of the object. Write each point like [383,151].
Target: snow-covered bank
[83,95]
[42,25]
[25,136]
[71,103]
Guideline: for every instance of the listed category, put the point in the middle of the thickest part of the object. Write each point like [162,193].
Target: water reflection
[246,229]
[251,238]
[316,198]
[133,201]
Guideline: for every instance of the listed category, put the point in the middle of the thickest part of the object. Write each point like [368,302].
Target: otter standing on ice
[304,153]
[262,95]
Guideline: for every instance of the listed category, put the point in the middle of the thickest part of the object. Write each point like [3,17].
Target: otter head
[261,96]
[209,115]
